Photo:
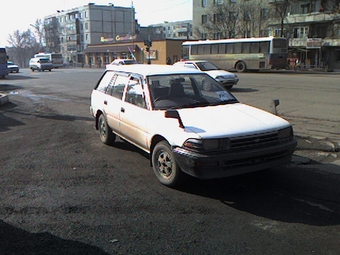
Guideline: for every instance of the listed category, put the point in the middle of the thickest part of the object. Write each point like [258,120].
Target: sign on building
[314,43]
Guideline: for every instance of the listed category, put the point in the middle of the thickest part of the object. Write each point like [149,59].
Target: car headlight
[207,144]
[286,133]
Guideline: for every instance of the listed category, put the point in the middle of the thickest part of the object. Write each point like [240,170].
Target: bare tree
[23,45]
[39,33]
[253,18]
[222,21]
[236,19]
[51,28]
[281,9]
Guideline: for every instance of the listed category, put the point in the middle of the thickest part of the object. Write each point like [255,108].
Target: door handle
[105,102]
[122,109]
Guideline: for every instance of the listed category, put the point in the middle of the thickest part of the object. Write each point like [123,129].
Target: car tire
[229,86]
[105,132]
[164,165]
[241,67]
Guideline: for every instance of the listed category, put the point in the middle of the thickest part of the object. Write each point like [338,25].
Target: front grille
[253,161]
[254,141]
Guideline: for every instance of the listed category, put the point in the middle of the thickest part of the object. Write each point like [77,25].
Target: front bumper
[219,165]
[228,82]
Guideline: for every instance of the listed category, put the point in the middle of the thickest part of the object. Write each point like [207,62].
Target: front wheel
[164,165]
[105,132]
[241,67]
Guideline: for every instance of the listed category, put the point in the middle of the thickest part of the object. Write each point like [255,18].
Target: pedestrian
[297,64]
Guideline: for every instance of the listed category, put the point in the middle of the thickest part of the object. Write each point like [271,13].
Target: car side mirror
[175,115]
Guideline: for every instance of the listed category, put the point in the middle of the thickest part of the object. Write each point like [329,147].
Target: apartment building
[217,19]
[312,26]
[71,31]
[313,29]
[175,29]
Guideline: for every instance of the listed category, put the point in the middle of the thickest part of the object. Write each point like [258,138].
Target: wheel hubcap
[102,129]
[164,164]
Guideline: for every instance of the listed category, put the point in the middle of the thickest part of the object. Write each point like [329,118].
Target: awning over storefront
[110,48]
[298,50]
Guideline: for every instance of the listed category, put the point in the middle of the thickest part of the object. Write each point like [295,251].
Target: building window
[86,26]
[247,15]
[217,36]
[204,3]
[264,13]
[215,18]
[232,1]
[305,8]
[204,19]
[232,16]
[301,32]
[247,34]
[204,36]
[218,1]
[277,32]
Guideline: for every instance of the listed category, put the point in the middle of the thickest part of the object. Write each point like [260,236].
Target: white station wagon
[186,130]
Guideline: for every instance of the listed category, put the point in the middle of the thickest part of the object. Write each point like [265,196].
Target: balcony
[311,17]
[304,42]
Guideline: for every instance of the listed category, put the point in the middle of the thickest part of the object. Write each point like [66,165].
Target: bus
[3,63]
[242,54]
[56,58]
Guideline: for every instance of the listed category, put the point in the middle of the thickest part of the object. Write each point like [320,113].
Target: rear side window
[105,81]
[135,94]
[117,88]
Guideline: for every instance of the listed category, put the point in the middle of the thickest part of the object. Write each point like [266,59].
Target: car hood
[229,120]
[215,73]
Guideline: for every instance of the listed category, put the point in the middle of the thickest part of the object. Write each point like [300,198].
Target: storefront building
[163,51]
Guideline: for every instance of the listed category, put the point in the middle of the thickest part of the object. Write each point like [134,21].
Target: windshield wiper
[230,101]
[195,104]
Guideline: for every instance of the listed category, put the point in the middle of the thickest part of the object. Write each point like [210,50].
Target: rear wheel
[105,132]
[164,165]
[241,67]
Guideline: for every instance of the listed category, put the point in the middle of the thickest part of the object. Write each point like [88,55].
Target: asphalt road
[63,192]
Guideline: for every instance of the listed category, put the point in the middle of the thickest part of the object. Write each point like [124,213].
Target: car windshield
[44,60]
[207,66]
[130,61]
[187,91]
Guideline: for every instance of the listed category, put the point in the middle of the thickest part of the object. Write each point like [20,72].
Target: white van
[40,64]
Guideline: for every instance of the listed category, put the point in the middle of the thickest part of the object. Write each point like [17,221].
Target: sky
[19,14]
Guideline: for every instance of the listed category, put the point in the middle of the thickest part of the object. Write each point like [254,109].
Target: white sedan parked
[225,78]
[185,129]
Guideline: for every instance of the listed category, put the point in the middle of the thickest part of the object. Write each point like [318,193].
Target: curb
[3,99]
